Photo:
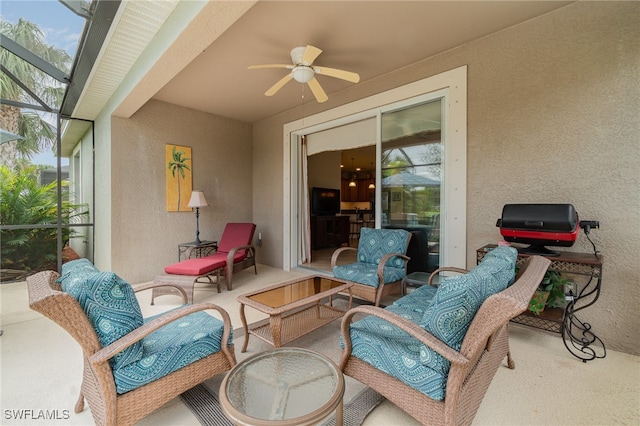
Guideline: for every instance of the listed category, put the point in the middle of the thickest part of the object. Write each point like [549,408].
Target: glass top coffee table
[286,386]
[295,308]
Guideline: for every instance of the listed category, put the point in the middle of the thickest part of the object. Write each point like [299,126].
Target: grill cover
[539,224]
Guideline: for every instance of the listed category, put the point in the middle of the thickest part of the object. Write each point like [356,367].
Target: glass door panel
[411,179]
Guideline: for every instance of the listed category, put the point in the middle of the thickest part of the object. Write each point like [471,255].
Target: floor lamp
[197,200]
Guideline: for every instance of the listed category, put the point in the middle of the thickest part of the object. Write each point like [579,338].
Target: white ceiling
[371,38]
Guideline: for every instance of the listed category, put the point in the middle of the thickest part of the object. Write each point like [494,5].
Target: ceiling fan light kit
[303,71]
[302,74]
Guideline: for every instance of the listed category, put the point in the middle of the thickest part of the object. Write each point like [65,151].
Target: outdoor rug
[205,406]
[359,399]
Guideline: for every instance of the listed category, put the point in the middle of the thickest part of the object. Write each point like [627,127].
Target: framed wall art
[179,183]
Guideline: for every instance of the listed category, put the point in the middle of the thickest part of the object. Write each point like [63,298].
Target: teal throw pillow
[75,273]
[458,298]
[112,308]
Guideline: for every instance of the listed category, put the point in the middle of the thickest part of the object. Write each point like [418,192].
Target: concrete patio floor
[41,370]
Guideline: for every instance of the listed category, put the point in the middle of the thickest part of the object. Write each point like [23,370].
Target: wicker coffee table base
[295,308]
[282,329]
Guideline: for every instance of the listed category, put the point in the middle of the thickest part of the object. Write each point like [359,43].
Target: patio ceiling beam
[25,88]
[33,59]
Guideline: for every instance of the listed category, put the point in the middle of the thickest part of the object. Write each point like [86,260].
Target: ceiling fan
[303,71]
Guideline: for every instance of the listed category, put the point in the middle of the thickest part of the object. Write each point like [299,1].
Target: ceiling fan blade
[310,54]
[255,67]
[341,74]
[317,90]
[273,89]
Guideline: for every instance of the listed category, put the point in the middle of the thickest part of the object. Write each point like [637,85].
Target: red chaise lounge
[234,253]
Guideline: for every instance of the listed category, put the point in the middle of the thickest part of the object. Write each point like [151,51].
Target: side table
[415,279]
[577,335]
[286,386]
[192,249]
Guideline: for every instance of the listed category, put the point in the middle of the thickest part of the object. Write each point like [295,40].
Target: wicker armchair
[472,368]
[109,407]
[381,263]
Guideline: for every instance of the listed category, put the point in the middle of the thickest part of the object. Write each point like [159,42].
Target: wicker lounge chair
[381,263]
[469,370]
[234,254]
[100,387]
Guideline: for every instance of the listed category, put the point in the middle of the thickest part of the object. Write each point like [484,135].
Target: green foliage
[553,284]
[538,301]
[38,134]
[25,202]
[556,287]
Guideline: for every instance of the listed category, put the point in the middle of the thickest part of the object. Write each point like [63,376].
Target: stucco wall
[144,234]
[552,117]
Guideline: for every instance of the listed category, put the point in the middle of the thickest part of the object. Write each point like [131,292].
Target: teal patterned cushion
[375,243]
[499,265]
[366,273]
[170,348]
[418,300]
[75,273]
[458,298]
[112,308]
[395,352]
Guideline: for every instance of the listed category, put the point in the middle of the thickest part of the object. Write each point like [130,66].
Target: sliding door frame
[451,88]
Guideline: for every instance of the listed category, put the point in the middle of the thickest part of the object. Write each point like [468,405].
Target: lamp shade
[197,199]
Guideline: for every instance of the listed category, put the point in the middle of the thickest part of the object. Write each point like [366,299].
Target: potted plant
[550,293]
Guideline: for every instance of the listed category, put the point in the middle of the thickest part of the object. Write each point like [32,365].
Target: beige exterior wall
[552,118]
[144,235]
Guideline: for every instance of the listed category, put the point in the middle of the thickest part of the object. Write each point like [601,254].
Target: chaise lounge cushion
[458,298]
[198,266]
[236,235]
[170,348]
[112,308]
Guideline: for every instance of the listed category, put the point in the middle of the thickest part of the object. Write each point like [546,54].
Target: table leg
[243,318]
[275,322]
[339,413]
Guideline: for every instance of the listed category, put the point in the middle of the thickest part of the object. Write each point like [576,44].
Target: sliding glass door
[411,179]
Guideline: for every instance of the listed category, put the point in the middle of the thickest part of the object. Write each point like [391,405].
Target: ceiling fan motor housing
[296,55]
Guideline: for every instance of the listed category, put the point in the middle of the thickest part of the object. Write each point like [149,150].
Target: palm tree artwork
[178,181]
[38,134]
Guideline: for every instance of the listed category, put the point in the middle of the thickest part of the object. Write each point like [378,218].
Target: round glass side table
[284,386]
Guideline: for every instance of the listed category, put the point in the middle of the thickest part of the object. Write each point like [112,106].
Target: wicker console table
[586,271]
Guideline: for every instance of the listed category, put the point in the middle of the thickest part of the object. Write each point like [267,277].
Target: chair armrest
[106,353]
[446,269]
[337,252]
[383,262]
[404,324]
[233,251]
[147,286]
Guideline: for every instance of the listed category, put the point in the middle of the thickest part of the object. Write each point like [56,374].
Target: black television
[325,201]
